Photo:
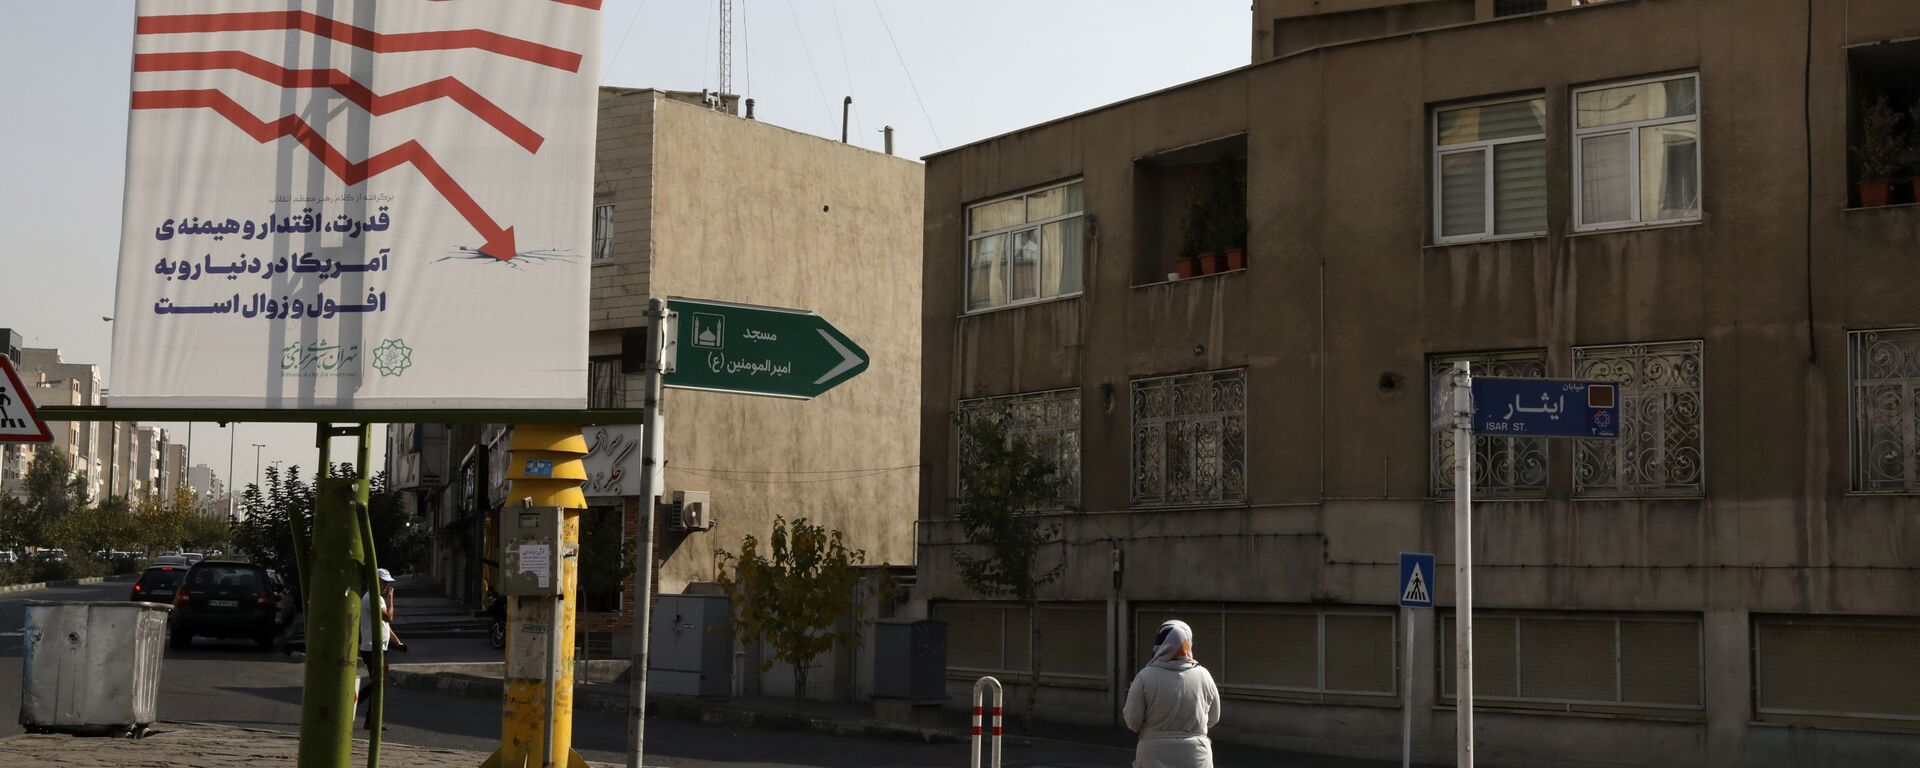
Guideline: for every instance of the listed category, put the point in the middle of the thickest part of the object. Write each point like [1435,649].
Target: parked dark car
[222,598]
[158,584]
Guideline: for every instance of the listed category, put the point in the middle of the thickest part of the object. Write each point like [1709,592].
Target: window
[1025,248]
[1190,439]
[1579,662]
[603,232]
[1852,668]
[1885,383]
[1661,449]
[606,384]
[992,638]
[1051,420]
[1636,153]
[1253,650]
[1513,7]
[1490,170]
[1882,95]
[1502,466]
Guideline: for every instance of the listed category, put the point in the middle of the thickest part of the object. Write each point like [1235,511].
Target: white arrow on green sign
[723,347]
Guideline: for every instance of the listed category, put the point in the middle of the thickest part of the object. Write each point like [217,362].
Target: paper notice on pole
[533,559]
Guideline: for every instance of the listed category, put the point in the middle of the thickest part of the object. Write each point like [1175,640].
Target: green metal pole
[333,618]
[363,497]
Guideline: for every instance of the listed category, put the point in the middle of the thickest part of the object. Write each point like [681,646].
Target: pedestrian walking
[377,608]
[1172,703]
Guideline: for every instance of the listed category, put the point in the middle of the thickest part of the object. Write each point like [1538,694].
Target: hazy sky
[981,67]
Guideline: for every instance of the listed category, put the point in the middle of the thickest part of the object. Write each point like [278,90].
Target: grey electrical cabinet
[690,647]
[530,556]
[910,659]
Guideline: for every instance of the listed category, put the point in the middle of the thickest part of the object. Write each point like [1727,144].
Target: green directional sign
[754,350]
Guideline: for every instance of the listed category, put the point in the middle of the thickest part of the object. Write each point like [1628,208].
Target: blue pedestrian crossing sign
[1416,580]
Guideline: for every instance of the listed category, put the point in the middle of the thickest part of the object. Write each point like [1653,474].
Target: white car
[193,557]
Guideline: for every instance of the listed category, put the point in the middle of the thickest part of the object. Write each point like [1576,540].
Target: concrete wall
[752,213]
[713,206]
[1343,286]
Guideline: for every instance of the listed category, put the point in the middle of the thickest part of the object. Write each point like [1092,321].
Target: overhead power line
[909,73]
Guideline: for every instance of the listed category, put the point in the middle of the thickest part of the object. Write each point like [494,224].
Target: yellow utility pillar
[545,469]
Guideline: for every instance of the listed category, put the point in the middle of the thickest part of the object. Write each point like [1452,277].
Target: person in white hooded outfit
[1172,704]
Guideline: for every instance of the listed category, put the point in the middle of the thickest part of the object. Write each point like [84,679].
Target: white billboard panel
[358,204]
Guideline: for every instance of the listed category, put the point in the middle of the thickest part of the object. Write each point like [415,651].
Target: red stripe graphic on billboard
[345,85]
[447,40]
[497,241]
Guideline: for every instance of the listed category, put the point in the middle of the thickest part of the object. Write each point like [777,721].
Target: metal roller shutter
[1840,669]
[1073,641]
[1566,660]
[1660,662]
[1360,653]
[1278,650]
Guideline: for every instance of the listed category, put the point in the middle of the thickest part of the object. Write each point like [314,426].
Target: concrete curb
[11,588]
[677,708]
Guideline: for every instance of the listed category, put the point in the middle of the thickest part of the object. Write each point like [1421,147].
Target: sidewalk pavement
[609,692]
[207,746]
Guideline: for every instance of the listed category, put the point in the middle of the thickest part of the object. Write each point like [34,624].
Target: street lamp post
[256,463]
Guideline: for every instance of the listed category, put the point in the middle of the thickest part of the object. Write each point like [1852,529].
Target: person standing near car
[377,609]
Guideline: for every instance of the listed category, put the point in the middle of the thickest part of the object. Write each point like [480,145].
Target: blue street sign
[1416,580]
[1547,407]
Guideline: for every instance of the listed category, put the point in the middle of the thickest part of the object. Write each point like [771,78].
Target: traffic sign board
[1416,580]
[1546,407]
[18,422]
[754,350]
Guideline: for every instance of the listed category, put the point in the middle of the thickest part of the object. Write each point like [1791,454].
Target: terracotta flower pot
[1236,258]
[1874,194]
[1210,263]
[1189,266]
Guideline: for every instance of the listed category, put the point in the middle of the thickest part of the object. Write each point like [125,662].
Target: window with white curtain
[603,232]
[1490,170]
[1025,248]
[1636,153]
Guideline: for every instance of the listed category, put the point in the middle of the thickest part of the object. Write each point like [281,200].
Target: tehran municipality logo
[392,358]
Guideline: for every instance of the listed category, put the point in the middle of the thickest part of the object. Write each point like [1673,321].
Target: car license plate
[224,603]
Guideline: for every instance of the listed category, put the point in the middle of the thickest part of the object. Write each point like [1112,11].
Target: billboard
[357,204]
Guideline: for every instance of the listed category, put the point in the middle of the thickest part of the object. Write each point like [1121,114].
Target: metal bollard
[999,699]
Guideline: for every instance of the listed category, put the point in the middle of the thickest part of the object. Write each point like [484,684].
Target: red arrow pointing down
[497,241]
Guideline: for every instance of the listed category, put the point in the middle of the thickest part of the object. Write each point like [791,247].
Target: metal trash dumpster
[91,667]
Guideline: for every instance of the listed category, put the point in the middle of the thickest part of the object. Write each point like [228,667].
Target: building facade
[83,439]
[694,201]
[1655,192]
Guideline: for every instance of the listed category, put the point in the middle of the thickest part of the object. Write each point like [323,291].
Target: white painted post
[653,438]
[1406,692]
[1463,561]
[999,700]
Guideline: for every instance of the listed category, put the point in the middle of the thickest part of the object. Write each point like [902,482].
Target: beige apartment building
[692,200]
[1663,193]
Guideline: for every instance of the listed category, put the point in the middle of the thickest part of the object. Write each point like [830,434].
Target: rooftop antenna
[726,46]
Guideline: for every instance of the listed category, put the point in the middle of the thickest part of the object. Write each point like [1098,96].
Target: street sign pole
[1406,704]
[1463,562]
[653,437]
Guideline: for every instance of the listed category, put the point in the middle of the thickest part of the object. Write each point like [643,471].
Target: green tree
[606,559]
[53,490]
[794,595]
[266,532]
[1005,478]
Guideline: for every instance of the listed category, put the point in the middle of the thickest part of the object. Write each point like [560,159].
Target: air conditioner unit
[692,511]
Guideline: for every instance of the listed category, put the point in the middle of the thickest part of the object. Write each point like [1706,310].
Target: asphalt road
[230,683]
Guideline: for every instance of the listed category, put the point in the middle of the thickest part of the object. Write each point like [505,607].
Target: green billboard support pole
[337,569]
[362,498]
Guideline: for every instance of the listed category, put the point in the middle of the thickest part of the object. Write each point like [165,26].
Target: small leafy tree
[793,595]
[1005,477]
[53,491]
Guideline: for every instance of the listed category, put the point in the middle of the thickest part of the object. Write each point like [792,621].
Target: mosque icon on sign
[709,331]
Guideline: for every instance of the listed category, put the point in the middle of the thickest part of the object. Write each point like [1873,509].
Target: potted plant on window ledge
[1879,154]
[1195,251]
[1229,213]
